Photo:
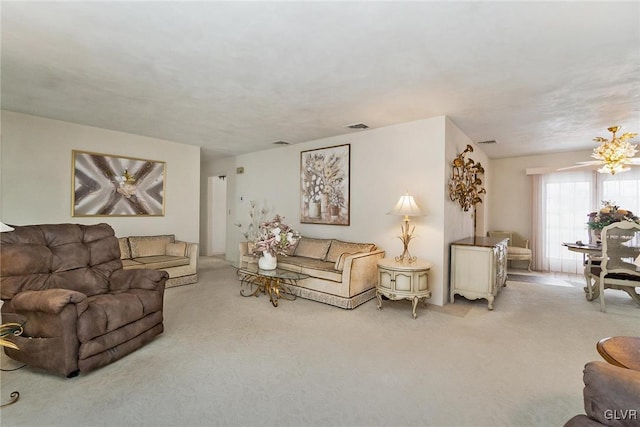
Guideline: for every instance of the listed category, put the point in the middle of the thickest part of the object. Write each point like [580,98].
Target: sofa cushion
[161,261]
[143,246]
[339,247]
[129,263]
[176,249]
[516,250]
[313,267]
[125,251]
[312,248]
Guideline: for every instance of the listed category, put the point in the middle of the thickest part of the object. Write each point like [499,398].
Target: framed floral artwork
[108,185]
[324,185]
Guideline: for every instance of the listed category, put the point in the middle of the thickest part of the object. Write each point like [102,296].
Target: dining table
[591,256]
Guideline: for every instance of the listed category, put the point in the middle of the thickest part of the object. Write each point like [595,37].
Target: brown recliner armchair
[80,309]
[611,397]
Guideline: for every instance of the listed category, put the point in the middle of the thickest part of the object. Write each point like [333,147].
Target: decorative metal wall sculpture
[465,186]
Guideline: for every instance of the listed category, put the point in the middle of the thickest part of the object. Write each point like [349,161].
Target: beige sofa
[163,252]
[342,274]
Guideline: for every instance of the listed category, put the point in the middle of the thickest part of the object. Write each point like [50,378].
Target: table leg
[14,398]
[379,297]
[414,303]
[253,282]
[587,276]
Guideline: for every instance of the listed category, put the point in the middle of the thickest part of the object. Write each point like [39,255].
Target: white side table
[403,280]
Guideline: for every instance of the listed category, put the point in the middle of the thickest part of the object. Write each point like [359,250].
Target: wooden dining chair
[619,267]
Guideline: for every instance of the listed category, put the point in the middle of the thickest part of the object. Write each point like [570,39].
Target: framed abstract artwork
[108,185]
[324,185]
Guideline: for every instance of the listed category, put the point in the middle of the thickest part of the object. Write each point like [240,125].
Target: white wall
[510,199]
[36,175]
[458,223]
[385,163]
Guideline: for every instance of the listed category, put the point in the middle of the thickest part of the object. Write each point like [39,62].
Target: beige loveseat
[342,274]
[163,252]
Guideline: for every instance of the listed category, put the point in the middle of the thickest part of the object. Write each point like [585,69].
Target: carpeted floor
[535,278]
[226,360]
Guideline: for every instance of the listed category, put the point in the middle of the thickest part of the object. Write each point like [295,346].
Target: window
[565,200]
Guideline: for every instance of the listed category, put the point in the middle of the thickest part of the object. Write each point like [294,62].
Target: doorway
[217,215]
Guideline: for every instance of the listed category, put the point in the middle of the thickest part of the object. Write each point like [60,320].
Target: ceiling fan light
[613,168]
[614,154]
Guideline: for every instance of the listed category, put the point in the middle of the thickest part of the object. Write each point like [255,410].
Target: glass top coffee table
[274,283]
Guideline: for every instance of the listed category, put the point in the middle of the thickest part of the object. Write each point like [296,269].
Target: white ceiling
[233,77]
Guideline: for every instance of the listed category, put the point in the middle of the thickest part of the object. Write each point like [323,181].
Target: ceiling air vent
[491,141]
[281,143]
[357,126]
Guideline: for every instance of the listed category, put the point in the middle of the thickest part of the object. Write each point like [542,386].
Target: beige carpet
[225,360]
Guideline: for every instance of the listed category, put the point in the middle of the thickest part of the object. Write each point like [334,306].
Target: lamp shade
[406,206]
[4,227]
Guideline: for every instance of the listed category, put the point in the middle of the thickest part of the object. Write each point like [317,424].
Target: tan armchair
[517,248]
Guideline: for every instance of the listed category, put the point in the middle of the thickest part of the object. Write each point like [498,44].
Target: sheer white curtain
[622,189]
[562,202]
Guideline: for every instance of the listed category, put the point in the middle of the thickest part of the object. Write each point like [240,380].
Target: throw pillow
[142,246]
[125,252]
[312,248]
[176,249]
[339,247]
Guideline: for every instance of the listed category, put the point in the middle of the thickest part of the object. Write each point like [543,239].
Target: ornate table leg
[413,306]
[14,398]
[254,282]
[5,330]
[379,297]
[273,291]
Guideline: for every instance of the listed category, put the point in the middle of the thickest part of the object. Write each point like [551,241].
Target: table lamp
[406,207]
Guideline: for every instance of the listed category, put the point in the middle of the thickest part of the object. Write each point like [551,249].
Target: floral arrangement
[257,216]
[609,214]
[275,237]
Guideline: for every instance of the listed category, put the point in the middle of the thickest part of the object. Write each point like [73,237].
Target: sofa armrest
[50,301]
[193,253]
[152,280]
[361,271]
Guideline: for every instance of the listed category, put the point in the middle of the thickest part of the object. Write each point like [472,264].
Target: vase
[315,210]
[595,236]
[267,261]
[334,211]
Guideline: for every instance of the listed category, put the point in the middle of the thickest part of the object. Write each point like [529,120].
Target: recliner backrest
[66,256]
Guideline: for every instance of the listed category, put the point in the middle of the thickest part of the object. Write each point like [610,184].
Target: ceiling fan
[615,155]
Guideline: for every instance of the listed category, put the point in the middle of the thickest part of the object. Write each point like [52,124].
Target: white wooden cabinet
[478,268]
[403,280]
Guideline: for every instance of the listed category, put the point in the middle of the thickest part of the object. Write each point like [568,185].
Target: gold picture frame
[325,185]
[110,185]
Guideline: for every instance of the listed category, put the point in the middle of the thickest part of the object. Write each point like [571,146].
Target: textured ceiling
[233,77]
